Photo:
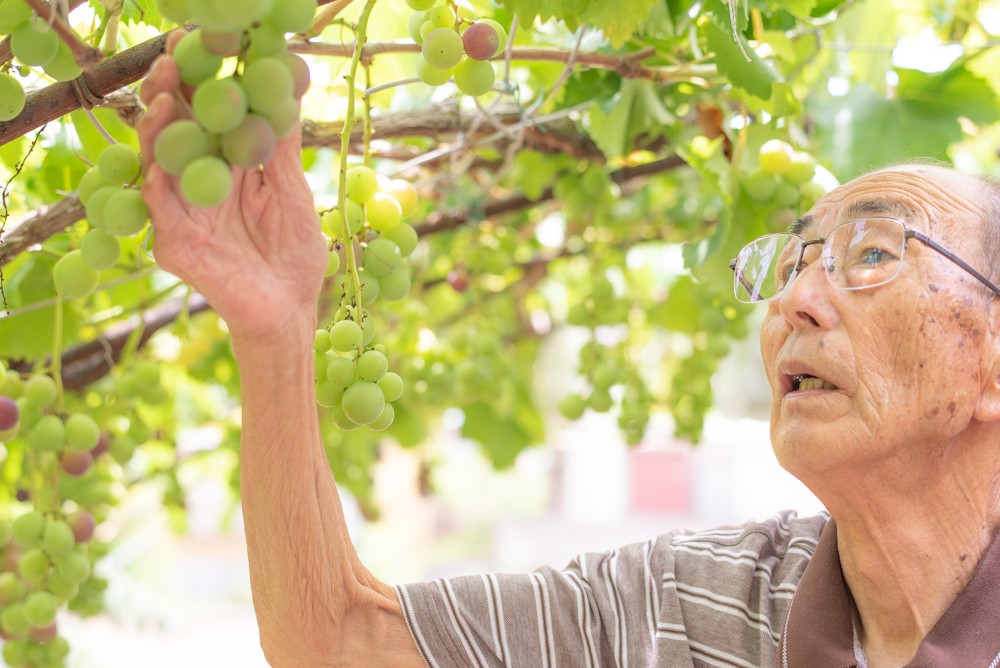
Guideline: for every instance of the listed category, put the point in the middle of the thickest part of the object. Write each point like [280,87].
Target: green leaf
[619,20]
[920,121]
[502,438]
[756,77]
[135,12]
[608,125]
[92,140]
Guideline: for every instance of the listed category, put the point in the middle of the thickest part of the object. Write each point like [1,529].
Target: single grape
[219,105]
[441,16]
[501,33]
[58,539]
[786,195]
[40,608]
[11,97]
[801,169]
[340,419]
[321,341]
[44,634]
[175,10]
[341,372]
[119,164]
[384,419]
[29,528]
[363,402]
[82,432]
[361,184]
[383,212]
[329,394]
[420,5]
[417,20]
[760,186]
[432,76]
[195,62]
[178,144]
[14,12]
[96,203]
[572,406]
[74,567]
[14,622]
[369,332]
[76,463]
[404,236]
[299,70]
[90,182]
[391,385]
[125,213]
[223,44]
[382,257]
[73,277]
[63,67]
[206,182]
[396,285]
[251,143]
[292,15]
[48,434]
[228,15]
[268,84]
[775,156]
[284,119]
[442,48]
[264,41]
[33,565]
[332,263]
[82,523]
[12,589]
[403,192]
[40,390]
[481,41]
[32,46]
[345,336]
[9,413]
[372,365]
[474,77]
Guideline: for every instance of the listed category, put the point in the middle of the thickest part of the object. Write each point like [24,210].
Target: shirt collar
[819,629]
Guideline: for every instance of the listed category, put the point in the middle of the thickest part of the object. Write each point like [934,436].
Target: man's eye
[874,256]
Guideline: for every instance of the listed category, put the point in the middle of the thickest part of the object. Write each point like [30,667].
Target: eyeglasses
[864,253]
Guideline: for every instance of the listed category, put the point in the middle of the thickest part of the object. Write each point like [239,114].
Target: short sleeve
[600,610]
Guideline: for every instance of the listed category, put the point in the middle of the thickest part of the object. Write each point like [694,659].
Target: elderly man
[881,347]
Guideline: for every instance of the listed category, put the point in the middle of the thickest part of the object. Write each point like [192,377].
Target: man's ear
[988,409]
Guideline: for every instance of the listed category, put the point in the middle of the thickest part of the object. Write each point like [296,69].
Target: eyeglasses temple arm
[954,258]
[743,281]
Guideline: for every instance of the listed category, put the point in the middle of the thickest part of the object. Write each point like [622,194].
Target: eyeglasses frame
[907,235]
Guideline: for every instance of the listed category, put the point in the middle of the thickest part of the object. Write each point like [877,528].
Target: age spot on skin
[822,343]
[968,301]
[931,414]
[951,408]
[933,287]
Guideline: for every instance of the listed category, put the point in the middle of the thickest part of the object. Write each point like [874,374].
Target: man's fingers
[173,38]
[161,112]
[164,76]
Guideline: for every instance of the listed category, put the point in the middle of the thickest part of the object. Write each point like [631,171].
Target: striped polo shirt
[720,598]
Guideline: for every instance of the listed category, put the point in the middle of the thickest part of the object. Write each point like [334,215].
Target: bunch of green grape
[352,376]
[238,118]
[453,45]
[115,208]
[46,556]
[34,44]
[783,177]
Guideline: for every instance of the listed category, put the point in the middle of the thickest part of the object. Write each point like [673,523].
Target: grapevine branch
[85,56]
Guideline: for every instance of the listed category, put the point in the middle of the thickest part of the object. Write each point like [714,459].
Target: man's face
[907,359]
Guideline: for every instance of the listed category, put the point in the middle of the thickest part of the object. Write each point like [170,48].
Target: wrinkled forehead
[924,197]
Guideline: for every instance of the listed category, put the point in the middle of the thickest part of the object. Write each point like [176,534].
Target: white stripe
[672,635]
[996,662]
[665,626]
[422,645]
[543,637]
[725,660]
[466,635]
[582,616]
[610,568]
[494,622]
[503,625]
[651,588]
[783,591]
[727,604]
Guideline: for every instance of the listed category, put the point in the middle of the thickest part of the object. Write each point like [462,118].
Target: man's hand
[258,257]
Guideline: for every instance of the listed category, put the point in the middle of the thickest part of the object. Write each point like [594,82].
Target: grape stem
[361,36]
[84,55]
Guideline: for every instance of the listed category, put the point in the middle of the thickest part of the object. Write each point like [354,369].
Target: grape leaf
[619,20]
[756,77]
[502,438]
[862,130]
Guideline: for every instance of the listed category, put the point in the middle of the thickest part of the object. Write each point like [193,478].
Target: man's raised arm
[259,259]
